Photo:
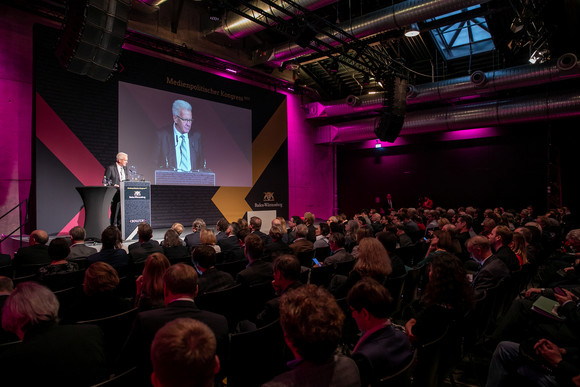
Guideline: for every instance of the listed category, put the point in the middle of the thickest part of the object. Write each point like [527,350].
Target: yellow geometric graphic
[231,201]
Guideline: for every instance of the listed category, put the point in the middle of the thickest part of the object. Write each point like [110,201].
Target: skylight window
[464,38]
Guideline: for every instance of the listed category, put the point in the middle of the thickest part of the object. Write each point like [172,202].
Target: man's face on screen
[183,121]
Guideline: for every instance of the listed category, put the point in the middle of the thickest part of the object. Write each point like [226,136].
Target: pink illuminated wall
[15,113]
[311,176]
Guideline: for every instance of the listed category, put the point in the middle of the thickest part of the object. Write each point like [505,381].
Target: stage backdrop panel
[76,135]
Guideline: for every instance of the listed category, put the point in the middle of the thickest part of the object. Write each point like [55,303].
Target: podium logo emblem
[268,196]
[137,193]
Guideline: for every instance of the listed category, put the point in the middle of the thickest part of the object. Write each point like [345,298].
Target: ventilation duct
[390,18]
[236,26]
[515,77]
[495,113]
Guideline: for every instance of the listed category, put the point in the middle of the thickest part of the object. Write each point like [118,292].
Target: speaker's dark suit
[165,154]
[112,176]
[138,345]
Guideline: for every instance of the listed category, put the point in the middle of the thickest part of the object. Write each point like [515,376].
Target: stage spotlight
[412,30]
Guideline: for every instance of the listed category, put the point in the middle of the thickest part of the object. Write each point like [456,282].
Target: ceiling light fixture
[412,30]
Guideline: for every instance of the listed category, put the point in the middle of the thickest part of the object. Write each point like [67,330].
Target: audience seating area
[260,354]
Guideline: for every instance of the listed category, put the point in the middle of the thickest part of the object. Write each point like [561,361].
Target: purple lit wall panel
[15,111]
[310,167]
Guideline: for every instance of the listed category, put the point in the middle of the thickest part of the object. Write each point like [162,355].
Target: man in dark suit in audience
[139,251]
[339,254]
[35,253]
[286,278]
[184,353]
[255,226]
[78,249]
[230,245]
[500,238]
[180,289]
[192,240]
[301,244]
[210,278]
[258,271]
[382,350]
[492,270]
[222,227]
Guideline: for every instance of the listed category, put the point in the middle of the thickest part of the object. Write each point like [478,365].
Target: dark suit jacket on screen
[165,154]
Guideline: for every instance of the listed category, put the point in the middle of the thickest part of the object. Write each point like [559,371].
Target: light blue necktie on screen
[184,163]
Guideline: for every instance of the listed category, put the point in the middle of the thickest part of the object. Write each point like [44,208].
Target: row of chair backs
[258,356]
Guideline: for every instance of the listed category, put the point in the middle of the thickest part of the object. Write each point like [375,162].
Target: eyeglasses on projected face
[185,119]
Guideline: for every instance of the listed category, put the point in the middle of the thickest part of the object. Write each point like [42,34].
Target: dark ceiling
[353,65]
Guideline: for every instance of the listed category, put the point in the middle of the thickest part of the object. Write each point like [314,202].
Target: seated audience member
[312,324]
[309,223]
[221,227]
[301,244]
[78,249]
[389,242]
[373,262]
[50,354]
[363,232]
[58,250]
[180,289]
[111,252]
[281,222]
[210,278]
[139,251]
[178,228]
[207,238]
[230,245]
[499,239]
[336,242]
[463,226]
[278,247]
[492,270]
[293,222]
[382,350]
[322,232]
[552,365]
[404,239]
[286,278]
[183,353]
[521,322]
[36,253]
[150,284]
[350,228]
[518,246]
[173,247]
[100,297]
[439,243]
[258,271]
[446,299]
[255,227]
[193,240]
[488,225]
[6,287]
[376,225]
